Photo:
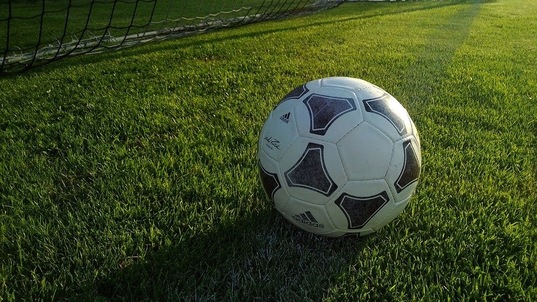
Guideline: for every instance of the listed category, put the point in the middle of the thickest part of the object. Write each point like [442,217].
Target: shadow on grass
[259,257]
[365,10]
[425,76]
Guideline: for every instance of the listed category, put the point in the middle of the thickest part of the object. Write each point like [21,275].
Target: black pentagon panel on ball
[310,171]
[324,110]
[411,168]
[359,210]
[384,106]
[270,181]
[297,93]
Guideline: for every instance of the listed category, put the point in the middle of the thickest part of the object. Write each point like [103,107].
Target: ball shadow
[259,256]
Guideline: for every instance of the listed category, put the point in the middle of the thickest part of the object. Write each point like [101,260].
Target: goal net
[35,32]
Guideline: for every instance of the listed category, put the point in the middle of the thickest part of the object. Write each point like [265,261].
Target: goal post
[35,32]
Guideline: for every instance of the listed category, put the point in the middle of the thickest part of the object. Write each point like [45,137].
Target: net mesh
[35,32]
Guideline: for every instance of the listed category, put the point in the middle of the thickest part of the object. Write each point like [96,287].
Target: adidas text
[308,219]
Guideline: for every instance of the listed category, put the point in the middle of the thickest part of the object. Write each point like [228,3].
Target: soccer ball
[339,156]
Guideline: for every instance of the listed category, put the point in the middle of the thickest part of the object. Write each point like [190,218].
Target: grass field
[132,175]
[38,27]
[87,18]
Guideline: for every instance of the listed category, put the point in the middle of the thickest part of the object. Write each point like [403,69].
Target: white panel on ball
[309,217]
[352,84]
[362,89]
[272,181]
[279,131]
[365,153]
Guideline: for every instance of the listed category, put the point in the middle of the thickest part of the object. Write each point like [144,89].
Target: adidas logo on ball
[285,117]
[308,219]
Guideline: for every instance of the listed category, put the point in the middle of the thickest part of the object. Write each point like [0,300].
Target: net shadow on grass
[110,26]
[367,10]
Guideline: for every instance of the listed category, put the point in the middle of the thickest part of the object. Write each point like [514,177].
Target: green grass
[132,175]
[29,24]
